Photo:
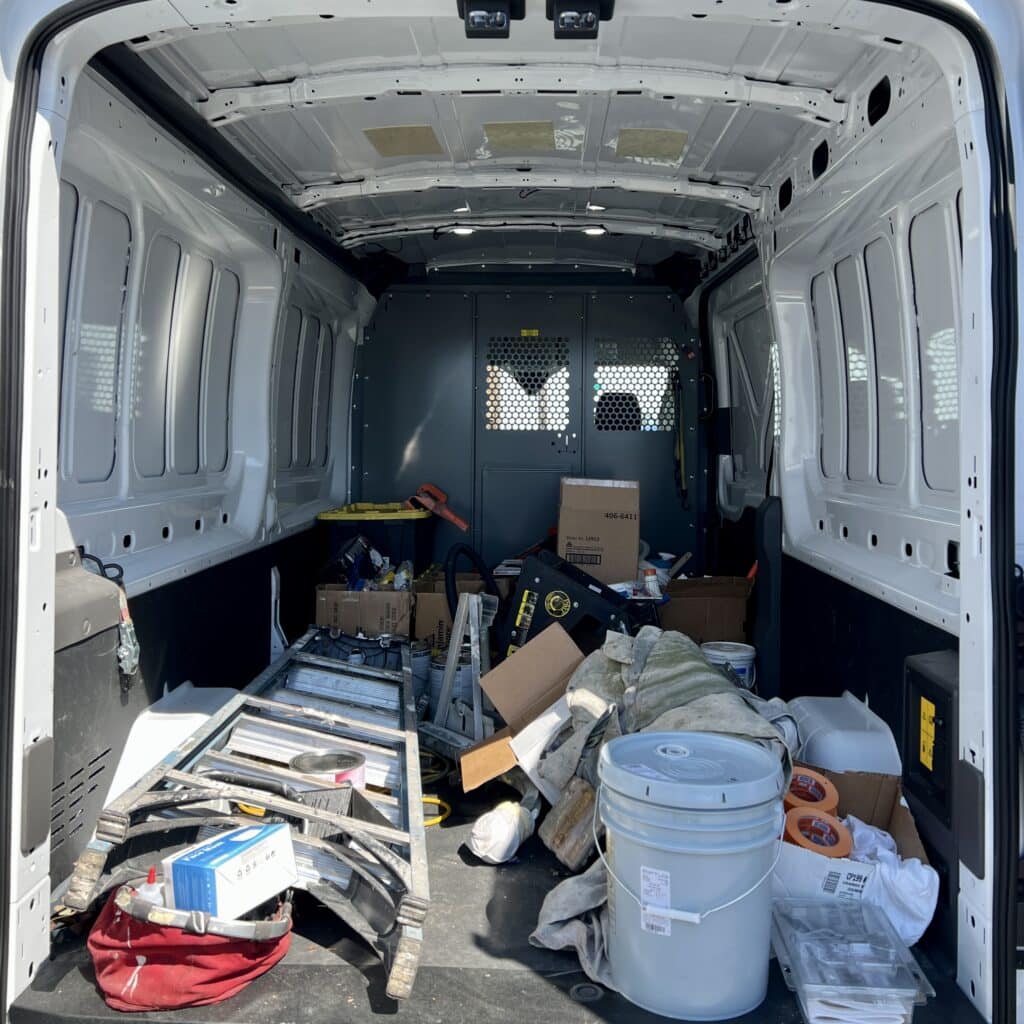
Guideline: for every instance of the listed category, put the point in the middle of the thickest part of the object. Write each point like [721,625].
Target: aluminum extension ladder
[361,853]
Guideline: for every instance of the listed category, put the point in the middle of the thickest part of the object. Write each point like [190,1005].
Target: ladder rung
[280,805]
[290,710]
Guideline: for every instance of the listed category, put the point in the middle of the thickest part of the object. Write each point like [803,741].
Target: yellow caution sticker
[529,332]
[927,752]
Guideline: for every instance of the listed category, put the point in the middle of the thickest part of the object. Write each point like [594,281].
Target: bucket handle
[688,916]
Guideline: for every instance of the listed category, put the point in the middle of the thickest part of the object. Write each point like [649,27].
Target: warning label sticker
[927,751]
[655,892]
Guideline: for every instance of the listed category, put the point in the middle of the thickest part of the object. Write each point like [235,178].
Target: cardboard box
[371,612]
[232,872]
[708,608]
[599,527]
[431,621]
[523,686]
[875,799]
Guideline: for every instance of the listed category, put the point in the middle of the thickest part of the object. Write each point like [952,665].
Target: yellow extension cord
[433,768]
[436,801]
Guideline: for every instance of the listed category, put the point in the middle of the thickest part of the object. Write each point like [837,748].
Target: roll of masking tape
[818,832]
[810,789]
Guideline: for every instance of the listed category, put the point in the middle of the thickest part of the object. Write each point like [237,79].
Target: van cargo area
[530,487]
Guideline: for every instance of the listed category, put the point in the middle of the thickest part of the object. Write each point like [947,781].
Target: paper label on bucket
[655,892]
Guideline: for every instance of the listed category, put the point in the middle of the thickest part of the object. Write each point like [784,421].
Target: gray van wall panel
[417,402]
[415,396]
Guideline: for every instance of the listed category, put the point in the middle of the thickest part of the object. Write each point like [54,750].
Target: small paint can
[335,766]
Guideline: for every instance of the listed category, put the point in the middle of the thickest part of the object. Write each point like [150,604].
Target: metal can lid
[691,770]
[326,761]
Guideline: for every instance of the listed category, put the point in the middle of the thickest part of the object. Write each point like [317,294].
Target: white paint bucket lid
[727,650]
[691,770]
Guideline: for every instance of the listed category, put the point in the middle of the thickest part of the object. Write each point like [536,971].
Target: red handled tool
[433,499]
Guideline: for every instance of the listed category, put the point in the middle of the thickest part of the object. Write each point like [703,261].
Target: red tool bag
[141,965]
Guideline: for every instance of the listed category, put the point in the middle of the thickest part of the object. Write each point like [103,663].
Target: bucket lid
[725,648]
[694,770]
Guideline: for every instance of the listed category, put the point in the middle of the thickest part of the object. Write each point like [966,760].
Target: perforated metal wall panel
[639,349]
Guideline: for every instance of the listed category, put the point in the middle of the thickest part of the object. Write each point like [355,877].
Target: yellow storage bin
[371,512]
[395,531]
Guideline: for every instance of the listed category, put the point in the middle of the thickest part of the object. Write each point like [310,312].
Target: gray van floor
[477,964]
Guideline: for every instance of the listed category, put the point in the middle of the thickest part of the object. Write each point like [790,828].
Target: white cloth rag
[574,915]
[906,891]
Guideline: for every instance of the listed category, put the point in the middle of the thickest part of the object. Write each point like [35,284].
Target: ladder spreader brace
[361,853]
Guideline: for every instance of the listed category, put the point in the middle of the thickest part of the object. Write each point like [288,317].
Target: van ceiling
[400,135]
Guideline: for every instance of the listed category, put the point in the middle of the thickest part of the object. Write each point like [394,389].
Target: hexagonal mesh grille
[527,383]
[633,383]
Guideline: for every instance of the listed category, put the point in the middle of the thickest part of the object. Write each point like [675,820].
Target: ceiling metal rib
[613,226]
[734,196]
[805,102]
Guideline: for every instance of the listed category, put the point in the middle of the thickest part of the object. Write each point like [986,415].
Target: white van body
[180,344]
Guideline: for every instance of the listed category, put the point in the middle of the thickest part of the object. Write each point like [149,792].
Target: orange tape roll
[812,790]
[817,832]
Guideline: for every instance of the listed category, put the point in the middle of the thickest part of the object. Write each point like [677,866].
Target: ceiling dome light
[595,231]
[463,231]
[594,208]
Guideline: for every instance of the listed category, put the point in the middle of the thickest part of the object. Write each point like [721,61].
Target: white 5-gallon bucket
[738,657]
[462,685]
[693,824]
[420,668]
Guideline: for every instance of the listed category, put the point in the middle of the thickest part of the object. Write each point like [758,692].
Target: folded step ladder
[361,853]
[474,615]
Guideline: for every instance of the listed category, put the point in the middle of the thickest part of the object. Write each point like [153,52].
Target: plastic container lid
[830,951]
[843,734]
[692,770]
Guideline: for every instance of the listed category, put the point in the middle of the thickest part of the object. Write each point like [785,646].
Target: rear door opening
[261,262]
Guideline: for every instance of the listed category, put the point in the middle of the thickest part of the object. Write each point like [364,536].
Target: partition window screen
[633,383]
[932,263]
[831,376]
[527,383]
[219,357]
[152,347]
[94,344]
[189,339]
